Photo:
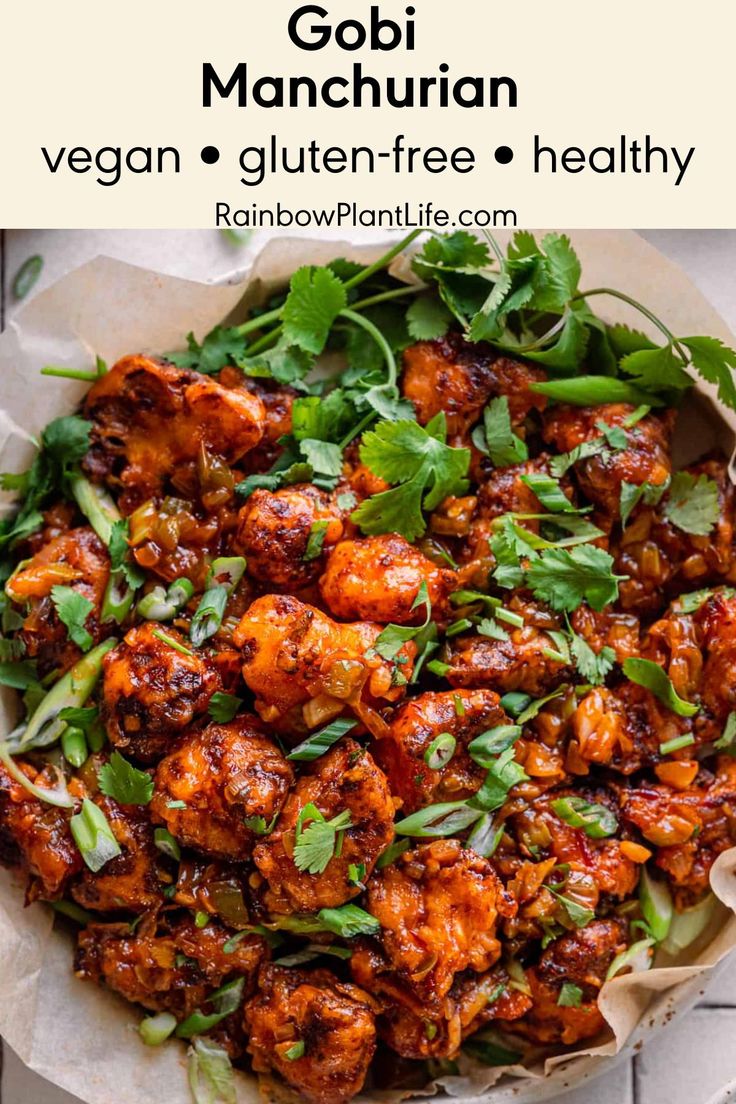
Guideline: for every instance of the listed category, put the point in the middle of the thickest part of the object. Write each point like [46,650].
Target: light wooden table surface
[695,1056]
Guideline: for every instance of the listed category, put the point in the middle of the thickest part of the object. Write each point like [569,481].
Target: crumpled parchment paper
[84,1039]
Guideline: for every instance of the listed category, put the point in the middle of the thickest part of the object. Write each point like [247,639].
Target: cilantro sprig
[424,469]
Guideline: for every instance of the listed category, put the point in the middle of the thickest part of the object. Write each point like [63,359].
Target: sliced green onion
[687,925]
[27,275]
[458,627]
[154,606]
[73,911]
[596,820]
[227,571]
[647,673]
[118,599]
[93,836]
[490,1052]
[676,743]
[311,952]
[485,748]
[549,492]
[97,506]
[726,740]
[72,690]
[295,1051]
[468,597]
[155,1030]
[485,836]
[208,618]
[457,701]
[515,702]
[595,391]
[440,751]
[74,746]
[509,617]
[655,900]
[210,1073]
[444,819]
[166,844]
[320,742]
[172,642]
[438,668]
[392,852]
[58,796]
[225,1000]
[630,957]
[201,919]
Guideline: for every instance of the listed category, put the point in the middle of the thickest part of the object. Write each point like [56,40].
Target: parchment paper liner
[83,1038]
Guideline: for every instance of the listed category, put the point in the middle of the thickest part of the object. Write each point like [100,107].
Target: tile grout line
[636,1097]
[2,280]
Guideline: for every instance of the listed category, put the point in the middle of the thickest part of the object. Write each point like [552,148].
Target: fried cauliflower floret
[332,1019]
[152,691]
[132,881]
[294,654]
[274,528]
[661,560]
[172,970]
[457,377]
[646,459]
[36,835]
[543,833]
[524,660]
[378,579]
[227,775]
[690,826]
[346,779]
[149,417]
[623,728]
[463,715]
[405,1023]
[278,403]
[580,958]
[438,905]
[76,559]
[608,628]
[716,623]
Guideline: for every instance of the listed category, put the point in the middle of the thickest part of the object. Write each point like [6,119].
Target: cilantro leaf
[563,269]
[223,707]
[458,250]
[625,340]
[123,782]
[496,438]
[569,349]
[593,667]
[315,299]
[715,362]
[561,464]
[390,642]
[319,418]
[316,539]
[692,503]
[656,369]
[426,469]
[428,318]
[73,610]
[634,493]
[564,578]
[287,364]
[64,443]
[647,673]
[222,345]
[324,457]
[315,845]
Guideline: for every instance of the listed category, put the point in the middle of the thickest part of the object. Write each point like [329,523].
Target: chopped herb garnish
[93,836]
[223,707]
[571,995]
[122,781]
[316,844]
[440,751]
